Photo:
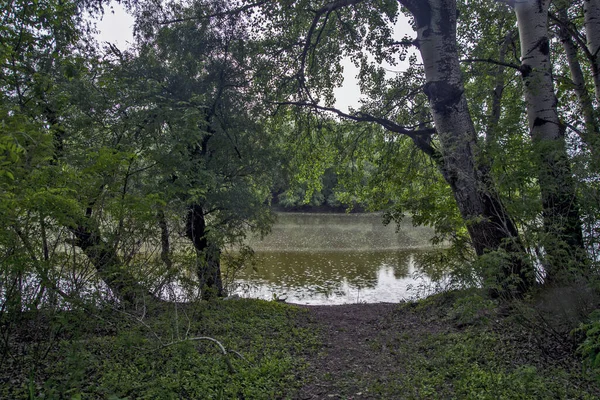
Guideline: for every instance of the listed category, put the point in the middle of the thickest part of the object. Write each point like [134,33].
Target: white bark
[591,10]
[561,217]
[461,163]
[532,19]
[437,43]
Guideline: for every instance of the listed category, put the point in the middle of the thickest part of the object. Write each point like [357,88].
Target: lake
[338,258]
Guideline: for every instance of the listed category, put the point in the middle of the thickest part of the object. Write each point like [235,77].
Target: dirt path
[360,342]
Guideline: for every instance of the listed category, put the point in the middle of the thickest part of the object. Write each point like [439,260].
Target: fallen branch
[223,350]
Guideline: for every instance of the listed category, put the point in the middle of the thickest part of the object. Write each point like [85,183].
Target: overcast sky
[117,27]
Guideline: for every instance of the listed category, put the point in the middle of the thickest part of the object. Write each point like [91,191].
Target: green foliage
[589,349]
[484,359]
[473,309]
[10,153]
[117,145]
[87,145]
[157,357]
[102,138]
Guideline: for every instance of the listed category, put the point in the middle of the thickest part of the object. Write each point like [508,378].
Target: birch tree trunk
[560,212]
[591,12]
[462,163]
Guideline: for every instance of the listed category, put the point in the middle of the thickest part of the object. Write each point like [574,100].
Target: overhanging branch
[362,117]
[421,137]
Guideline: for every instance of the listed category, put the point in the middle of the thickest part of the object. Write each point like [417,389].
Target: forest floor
[355,352]
[455,345]
[443,347]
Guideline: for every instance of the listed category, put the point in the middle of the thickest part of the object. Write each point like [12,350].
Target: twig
[240,356]
[492,61]
[325,10]
[226,13]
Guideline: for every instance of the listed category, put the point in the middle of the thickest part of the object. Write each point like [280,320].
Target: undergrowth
[159,356]
[458,345]
[481,351]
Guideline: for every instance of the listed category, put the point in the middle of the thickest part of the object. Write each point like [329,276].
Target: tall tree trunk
[462,163]
[165,245]
[591,12]
[591,134]
[561,215]
[208,254]
[165,250]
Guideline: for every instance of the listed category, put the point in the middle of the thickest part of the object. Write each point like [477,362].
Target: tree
[219,153]
[572,41]
[561,215]
[309,39]
[591,13]
[117,159]
[324,33]
[41,54]
[579,37]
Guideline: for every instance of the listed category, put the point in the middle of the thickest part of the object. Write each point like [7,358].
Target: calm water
[337,259]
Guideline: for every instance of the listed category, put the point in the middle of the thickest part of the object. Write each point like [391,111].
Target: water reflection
[336,259]
[334,277]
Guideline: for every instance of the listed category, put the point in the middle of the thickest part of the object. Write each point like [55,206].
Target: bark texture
[591,134]
[108,265]
[208,254]
[561,215]
[461,161]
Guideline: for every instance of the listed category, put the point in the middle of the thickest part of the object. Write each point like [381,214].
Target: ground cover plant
[159,355]
[456,344]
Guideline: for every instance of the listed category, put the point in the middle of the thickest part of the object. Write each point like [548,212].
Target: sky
[116,27]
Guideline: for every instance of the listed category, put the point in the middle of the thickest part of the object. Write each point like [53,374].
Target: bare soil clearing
[361,348]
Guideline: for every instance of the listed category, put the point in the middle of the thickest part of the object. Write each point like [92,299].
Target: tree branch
[234,11]
[420,137]
[492,61]
[581,41]
[325,10]
[362,117]
[406,43]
